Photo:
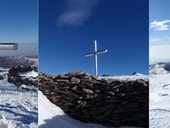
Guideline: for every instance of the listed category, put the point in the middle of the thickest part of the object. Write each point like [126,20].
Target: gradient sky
[159,31]
[19,23]
[67,29]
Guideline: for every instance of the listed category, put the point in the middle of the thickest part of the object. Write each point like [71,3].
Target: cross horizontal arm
[8,46]
[101,51]
[89,54]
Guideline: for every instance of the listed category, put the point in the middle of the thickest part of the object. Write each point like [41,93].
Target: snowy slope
[127,77]
[159,97]
[18,107]
[51,116]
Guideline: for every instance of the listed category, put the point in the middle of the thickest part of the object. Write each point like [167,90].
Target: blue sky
[159,31]
[68,28]
[18,23]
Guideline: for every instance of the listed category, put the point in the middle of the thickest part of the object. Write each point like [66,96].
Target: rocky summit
[104,101]
[15,77]
[1,77]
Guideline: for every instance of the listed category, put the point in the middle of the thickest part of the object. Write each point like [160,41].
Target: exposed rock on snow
[108,102]
[23,75]
[1,77]
[18,107]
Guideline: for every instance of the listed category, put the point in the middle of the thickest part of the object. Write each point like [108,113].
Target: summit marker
[95,53]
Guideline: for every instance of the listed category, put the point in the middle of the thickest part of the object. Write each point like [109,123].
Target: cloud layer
[160,25]
[159,53]
[76,12]
[159,41]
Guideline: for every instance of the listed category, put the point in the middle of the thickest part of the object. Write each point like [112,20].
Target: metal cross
[8,46]
[95,53]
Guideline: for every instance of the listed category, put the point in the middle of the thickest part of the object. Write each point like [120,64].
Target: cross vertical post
[95,56]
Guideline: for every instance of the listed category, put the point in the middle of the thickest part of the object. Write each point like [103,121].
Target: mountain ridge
[12,61]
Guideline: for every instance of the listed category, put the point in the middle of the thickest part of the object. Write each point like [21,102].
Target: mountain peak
[159,68]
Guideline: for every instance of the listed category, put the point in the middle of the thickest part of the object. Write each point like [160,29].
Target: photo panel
[93,63]
[159,68]
[18,63]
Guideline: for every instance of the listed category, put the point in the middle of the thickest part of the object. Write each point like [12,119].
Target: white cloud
[153,40]
[159,41]
[160,25]
[76,12]
[159,53]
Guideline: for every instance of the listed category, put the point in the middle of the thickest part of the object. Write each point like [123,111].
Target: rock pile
[1,77]
[15,77]
[103,101]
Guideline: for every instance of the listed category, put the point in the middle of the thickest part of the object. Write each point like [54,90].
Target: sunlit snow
[18,107]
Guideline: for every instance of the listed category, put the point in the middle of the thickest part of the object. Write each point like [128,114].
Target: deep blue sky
[67,29]
[19,23]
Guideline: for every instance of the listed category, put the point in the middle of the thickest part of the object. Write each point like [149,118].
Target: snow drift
[18,107]
[159,96]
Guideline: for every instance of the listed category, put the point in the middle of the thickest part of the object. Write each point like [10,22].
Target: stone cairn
[15,78]
[1,77]
[104,101]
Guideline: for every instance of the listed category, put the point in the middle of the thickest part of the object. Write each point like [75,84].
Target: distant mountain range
[11,61]
[159,68]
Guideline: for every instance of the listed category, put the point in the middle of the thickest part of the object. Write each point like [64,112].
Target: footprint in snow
[166,86]
[160,94]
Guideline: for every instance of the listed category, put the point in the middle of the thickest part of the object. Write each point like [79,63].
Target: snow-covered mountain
[18,106]
[159,68]
[132,77]
[159,95]
[10,61]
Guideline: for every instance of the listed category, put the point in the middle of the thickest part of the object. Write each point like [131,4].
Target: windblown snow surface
[51,116]
[159,96]
[18,107]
